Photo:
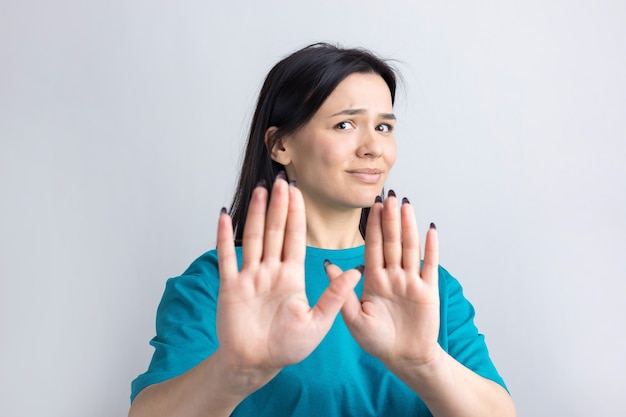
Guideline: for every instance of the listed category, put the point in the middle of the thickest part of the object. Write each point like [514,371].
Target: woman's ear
[275,147]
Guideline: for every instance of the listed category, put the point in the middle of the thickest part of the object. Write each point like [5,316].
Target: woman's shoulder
[204,264]
[207,264]
[448,284]
[446,280]
[201,275]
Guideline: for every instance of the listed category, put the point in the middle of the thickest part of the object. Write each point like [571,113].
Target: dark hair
[294,89]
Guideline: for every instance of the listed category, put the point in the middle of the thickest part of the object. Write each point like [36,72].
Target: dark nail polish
[360,268]
[223,210]
[432,226]
[405,200]
[378,199]
[281,175]
[292,183]
[391,193]
[326,263]
[261,183]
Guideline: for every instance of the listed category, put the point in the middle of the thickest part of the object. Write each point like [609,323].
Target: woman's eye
[384,127]
[343,125]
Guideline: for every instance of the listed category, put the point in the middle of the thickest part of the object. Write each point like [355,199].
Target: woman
[236,334]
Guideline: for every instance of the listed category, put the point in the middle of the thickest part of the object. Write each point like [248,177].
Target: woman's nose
[370,146]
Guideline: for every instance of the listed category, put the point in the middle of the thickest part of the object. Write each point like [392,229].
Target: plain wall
[121,126]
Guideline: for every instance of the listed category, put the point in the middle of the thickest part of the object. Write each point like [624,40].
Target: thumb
[340,289]
[349,279]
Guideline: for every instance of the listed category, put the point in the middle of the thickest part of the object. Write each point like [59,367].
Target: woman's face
[342,156]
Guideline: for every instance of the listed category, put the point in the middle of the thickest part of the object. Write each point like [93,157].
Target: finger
[410,238]
[374,237]
[226,255]
[276,219]
[295,230]
[253,231]
[351,309]
[392,245]
[339,293]
[430,267]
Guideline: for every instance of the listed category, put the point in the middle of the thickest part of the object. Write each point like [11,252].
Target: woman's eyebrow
[351,112]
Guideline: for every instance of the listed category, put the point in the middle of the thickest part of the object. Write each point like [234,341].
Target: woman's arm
[397,318]
[256,307]
[450,389]
[210,389]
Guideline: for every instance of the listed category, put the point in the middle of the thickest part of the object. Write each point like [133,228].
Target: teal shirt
[338,378]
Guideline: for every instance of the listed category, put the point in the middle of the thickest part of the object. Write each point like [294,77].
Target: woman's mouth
[367,175]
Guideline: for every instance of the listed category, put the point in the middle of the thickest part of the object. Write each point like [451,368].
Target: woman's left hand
[397,317]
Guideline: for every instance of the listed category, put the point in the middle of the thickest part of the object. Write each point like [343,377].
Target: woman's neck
[333,230]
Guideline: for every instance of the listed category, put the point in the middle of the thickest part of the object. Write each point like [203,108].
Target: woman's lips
[367,175]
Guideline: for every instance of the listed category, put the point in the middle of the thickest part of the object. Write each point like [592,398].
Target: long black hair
[293,91]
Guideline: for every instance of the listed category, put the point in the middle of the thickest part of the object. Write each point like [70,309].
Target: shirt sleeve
[460,336]
[185,324]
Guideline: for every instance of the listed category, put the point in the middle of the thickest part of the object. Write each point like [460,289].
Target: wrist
[419,369]
[238,380]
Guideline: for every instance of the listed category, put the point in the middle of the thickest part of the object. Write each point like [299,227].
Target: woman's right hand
[264,320]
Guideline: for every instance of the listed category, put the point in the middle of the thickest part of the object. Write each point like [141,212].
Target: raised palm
[397,317]
[264,320]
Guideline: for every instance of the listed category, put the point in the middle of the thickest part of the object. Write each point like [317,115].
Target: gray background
[121,126]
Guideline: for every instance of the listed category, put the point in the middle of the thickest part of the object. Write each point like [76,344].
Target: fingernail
[223,211]
[360,268]
[378,199]
[326,263]
[292,183]
[281,175]
[261,183]
[432,226]
[405,200]
[391,193]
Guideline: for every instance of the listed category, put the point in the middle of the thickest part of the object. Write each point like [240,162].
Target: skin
[341,158]
[397,317]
